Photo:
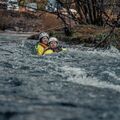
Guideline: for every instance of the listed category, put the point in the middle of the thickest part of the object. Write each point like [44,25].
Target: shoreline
[19,33]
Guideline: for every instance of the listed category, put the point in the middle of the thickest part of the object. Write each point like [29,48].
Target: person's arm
[39,50]
[49,51]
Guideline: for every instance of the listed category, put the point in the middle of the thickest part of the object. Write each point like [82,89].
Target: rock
[16,28]
[34,37]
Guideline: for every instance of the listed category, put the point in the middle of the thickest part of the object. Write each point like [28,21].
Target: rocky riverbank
[87,35]
[27,21]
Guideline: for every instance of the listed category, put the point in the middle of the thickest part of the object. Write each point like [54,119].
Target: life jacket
[51,51]
[40,48]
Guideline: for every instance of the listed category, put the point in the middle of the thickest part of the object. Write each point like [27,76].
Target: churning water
[78,84]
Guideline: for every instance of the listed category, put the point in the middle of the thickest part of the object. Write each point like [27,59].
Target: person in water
[42,45]
[53,46]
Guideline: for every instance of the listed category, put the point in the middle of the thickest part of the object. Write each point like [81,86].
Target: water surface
[78,84]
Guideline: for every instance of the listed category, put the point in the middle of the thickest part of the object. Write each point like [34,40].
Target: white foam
[78,75]
[112,52]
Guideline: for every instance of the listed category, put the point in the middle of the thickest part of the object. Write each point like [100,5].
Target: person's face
[44,40]
[53,44]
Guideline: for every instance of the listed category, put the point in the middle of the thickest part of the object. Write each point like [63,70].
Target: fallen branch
[105,39]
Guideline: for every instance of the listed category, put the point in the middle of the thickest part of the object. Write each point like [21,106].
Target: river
[77,84]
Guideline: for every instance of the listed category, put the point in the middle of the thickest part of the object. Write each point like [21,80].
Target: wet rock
[16,28]
[34,37]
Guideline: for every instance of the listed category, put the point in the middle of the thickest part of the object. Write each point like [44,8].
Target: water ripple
[72,85]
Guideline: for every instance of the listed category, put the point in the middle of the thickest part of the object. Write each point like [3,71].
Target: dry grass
[86,31]
[50,21]
[28,21]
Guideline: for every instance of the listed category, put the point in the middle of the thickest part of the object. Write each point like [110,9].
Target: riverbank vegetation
[93,23]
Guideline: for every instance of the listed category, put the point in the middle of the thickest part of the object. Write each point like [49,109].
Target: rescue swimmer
[53,46]
[42,45]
